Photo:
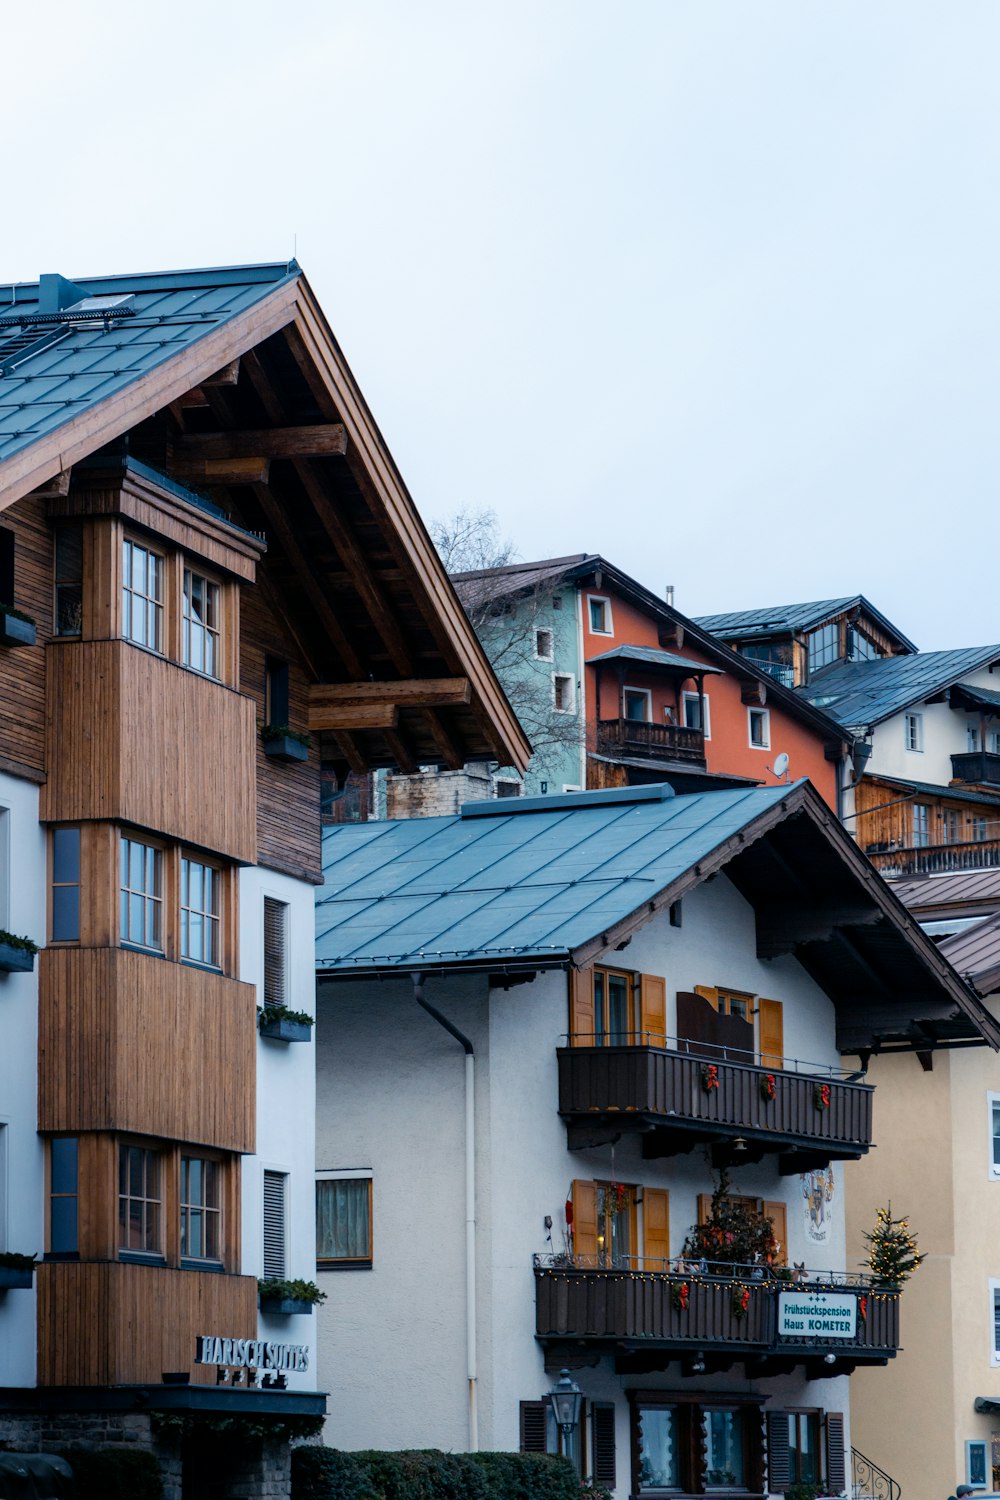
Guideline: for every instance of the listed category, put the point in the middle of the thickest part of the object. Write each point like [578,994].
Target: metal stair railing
[869,1482]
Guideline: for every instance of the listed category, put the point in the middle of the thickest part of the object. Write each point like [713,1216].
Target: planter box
[11,1279]
[284,1307]
[283,1030]
[15,632]
[16,960]
[286,748]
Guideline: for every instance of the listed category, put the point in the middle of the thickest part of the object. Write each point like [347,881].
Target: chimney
[669,592]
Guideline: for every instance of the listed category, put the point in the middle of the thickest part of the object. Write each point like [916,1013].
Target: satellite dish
[781,764]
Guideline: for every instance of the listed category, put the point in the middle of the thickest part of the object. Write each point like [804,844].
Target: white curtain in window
[342,1220]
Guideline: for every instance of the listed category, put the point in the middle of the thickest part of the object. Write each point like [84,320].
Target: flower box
[285,747]
[12,1278]
[280,1029]
[14,631]
[15,960]
[285,1307]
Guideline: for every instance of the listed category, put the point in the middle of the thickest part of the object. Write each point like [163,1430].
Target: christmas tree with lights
[892,1250]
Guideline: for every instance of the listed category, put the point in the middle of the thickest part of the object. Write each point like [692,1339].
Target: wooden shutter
[704,1207]
[779,1459]
[602,1429]
[585,1218]
[708,993]
[652,1011]
[275,951]
[777,1213]
[534,1426]
[836,1458]
[274,1225]
[655,1228]
[772,1034]
[582,1020]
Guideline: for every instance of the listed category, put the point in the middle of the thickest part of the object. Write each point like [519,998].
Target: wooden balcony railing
[937,859]
[678,1099]
[976,766]
[659,741]
[724,1312]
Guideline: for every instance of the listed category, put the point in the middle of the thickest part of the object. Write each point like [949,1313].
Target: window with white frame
[913,731]
[995,1321]
[275,1230]
[599,615]
[562,693]
[140,1200]
[141,894]
[199,912]
[543,645]
[972,737]
[691,706]
[759,728]
[921,825]
[142,595]
[201,1208]
[993,1117]
[637,704]
[201,624]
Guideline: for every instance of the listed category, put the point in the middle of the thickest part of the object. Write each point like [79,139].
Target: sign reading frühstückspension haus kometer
[817,1315]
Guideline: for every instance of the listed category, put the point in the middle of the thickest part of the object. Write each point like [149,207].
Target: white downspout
[470,1206]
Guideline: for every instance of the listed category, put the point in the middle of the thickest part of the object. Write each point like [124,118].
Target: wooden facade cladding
[670,1098]
[116,1323]
[134,738]
[22,703]
[131,1042]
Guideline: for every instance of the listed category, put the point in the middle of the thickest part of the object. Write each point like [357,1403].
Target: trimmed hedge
[115,1474]
[328,1474]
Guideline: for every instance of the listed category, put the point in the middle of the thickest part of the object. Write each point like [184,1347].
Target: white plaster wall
[390,1100]
[944,736]
[22,1211]
[286,1094]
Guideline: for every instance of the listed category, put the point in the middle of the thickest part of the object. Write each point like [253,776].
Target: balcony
[976,766]
[779,670]
[645,1316]
[677,1099]
[936,859]
[650,741]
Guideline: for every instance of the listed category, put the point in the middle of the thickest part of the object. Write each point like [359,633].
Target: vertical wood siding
[22,703]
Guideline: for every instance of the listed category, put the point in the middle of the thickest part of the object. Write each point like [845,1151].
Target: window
[200,644]
[343,1222]
[275,951]
[735,1003]
[201,1209]
[504,786]
[142,596]
[139,1200]
[614,1008]
[823,646]
[921,825]
[141,894]
[275,1184]
[68,609]
[3,1187]
[543,645]
[7,547]
[995,1314]
[691,713]
[638,705]
[199,912]
[913,731]
[859,647]
[275,691]
[695,1446]
[972,737]
[803,1447]
[562,693]
[5,868]
[599,615]
[63,1189]
[66,885]
[759,721]
[616,1223]
[950,825]
[977,828]
[993,1109]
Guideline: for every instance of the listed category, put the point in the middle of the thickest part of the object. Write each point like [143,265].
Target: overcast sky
[708,286]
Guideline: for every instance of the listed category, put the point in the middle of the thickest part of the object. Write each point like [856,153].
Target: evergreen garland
[733,1233]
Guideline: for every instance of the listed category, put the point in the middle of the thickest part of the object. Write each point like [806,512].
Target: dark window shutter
[836,1460]
[602,1417]
[275,943]
[534,1419]
[779,1469]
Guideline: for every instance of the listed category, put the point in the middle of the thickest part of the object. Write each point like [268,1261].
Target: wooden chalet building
[212,581]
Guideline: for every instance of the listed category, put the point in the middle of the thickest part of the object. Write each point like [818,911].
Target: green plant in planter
[270,1013]
[11,1261]
[282,732]
[13,941]
[296,1291]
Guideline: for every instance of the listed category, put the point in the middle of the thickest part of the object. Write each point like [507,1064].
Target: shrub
[327,1474]
[115,1474]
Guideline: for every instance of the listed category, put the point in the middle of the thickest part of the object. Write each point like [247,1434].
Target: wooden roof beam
[417,692]
[218,471]
[354,717]
[324,440]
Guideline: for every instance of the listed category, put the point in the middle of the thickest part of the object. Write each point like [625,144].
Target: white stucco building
[543,1031]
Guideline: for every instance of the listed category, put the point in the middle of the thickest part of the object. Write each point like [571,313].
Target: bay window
[200,642]
[142,595]
[201,1208]
[139,1200]
[141,896]
[199,912]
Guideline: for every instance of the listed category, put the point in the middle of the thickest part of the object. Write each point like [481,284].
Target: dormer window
[823,646]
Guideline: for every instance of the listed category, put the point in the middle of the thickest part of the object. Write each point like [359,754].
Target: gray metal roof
[649,656]
[860,694]
[95,360]
[736,623]
[932,789]
[534,881]
[980,697]
[964,889]
[975,952]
